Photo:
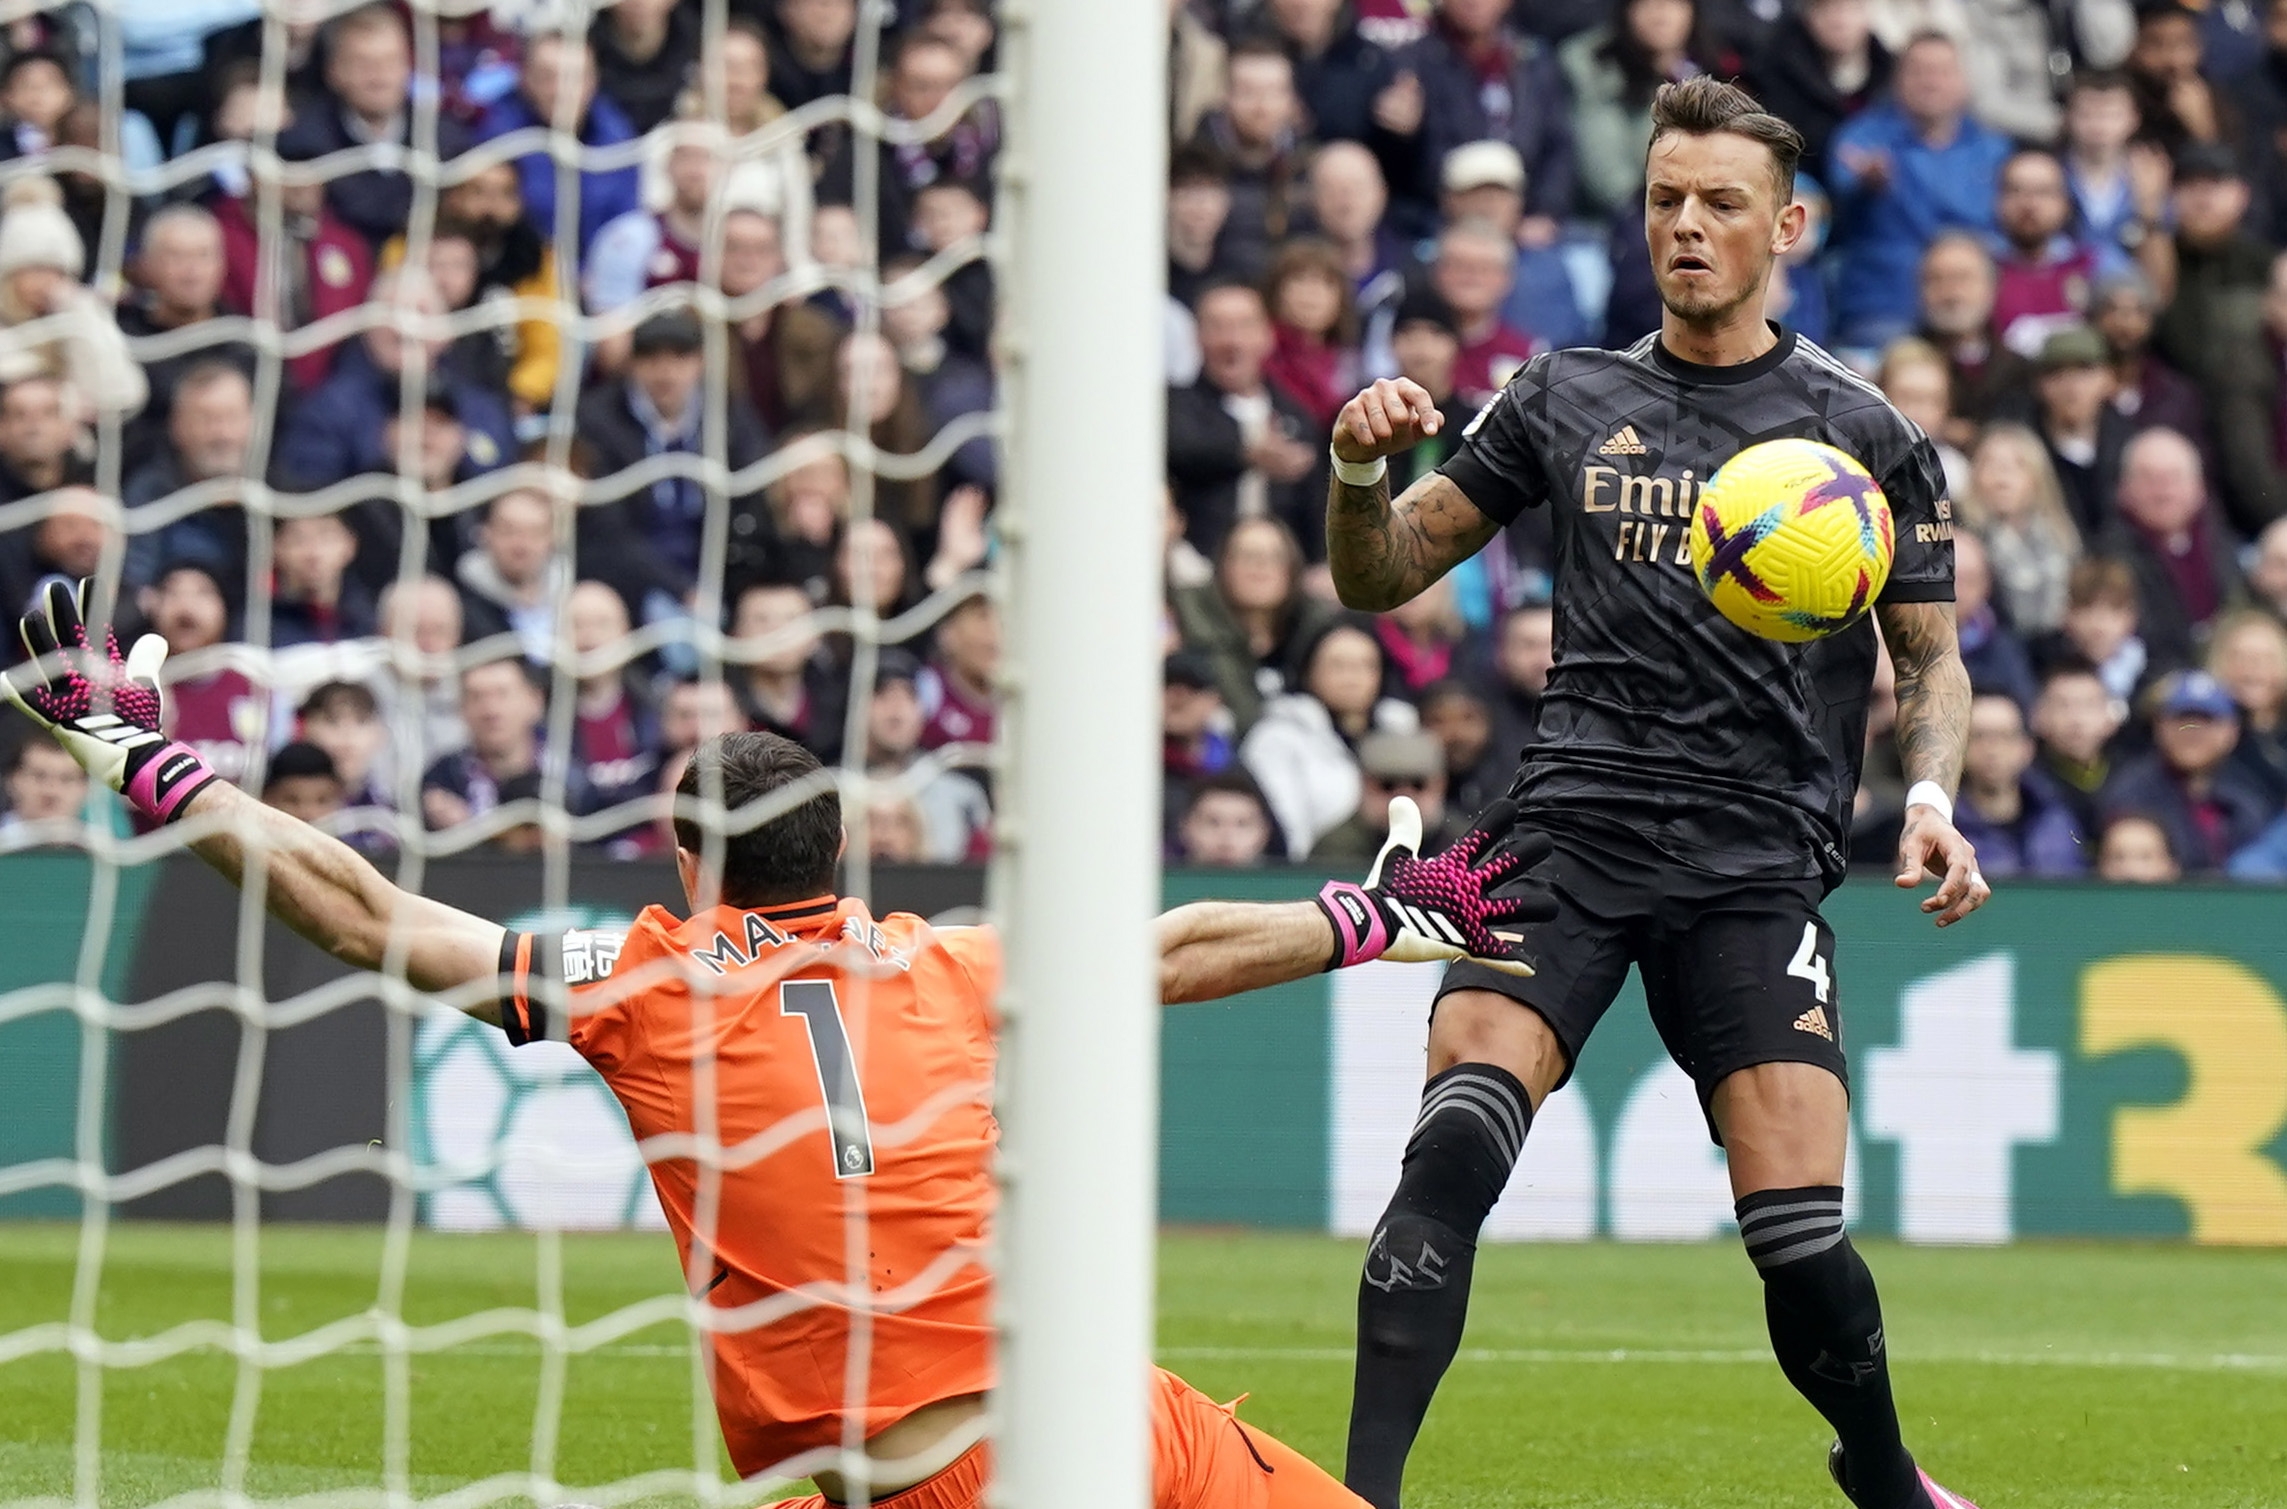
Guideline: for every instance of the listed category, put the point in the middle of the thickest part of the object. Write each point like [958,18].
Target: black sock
[1826,1327]
[1414,1295]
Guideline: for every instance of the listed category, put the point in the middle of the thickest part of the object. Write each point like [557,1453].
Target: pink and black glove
[103,708]
[1462,904]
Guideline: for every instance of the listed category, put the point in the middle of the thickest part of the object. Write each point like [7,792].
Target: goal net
[489,401]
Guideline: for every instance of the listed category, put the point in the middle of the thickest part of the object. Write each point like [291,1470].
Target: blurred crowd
[2049,228]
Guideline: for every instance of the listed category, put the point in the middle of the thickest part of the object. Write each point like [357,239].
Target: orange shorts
[1202,1458]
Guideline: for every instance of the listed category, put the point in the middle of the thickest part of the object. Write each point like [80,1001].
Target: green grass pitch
[1595,1377]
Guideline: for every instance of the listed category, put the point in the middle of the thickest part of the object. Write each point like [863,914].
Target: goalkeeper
[846,1064]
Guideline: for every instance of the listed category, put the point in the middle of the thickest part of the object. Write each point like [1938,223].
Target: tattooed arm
[1933,736]
[1385,551]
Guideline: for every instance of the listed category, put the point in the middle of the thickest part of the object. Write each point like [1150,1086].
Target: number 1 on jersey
[846,1123]
[1807,964]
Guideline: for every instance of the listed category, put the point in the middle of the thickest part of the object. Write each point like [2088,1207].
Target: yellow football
[1792,540]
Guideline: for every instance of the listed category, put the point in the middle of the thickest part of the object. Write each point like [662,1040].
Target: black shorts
[1736,972]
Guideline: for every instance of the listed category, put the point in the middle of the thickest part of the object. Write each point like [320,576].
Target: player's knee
[1482,1027]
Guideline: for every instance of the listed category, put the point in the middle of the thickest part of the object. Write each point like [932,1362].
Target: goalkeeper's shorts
[1202,1458]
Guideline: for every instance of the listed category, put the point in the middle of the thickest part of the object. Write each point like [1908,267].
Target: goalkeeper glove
[1452,906]
[103,708]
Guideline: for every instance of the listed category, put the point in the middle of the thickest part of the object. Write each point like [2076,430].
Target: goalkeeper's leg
[1204,1457]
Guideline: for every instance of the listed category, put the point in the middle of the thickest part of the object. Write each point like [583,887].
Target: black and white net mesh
[477,1138]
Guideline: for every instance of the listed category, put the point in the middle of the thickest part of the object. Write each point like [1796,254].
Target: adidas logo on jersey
[1622,443]
[1814,1020]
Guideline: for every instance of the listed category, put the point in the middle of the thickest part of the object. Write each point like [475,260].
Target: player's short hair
[789,858]
[1708,106]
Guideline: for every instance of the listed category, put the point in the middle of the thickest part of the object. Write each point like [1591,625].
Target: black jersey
[1730,753]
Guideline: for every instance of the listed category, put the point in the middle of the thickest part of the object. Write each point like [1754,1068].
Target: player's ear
[687,870]
[1793,221]
[842,849]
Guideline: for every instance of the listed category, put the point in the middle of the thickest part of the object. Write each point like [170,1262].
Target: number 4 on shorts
[1808,964]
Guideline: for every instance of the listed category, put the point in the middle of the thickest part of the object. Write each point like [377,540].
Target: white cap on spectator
[1482,164]
[35,231]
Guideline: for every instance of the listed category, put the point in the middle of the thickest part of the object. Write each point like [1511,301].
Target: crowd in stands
[2050,229]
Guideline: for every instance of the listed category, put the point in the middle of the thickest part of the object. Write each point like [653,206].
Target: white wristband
[1930,794]
[1359,473]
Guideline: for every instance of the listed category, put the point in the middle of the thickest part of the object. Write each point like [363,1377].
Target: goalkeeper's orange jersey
[848,1065]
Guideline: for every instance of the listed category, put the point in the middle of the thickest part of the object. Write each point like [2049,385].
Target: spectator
[647,248]
[2209,807]
[41,261]
[874,553]
[2247,400]
[1225,825]
[1198,209]
[956,815]
[1198,64]
[35,94]
[1390,765]
[40,436]
[343,718]
[514,578]
[1259,579]
[644,51]
[2119,186]
[1918,380]
[2135,851]
[315,600]
[347,428]
[2267,577]
[513,261]
[737,70]
[948,214]
[2075,721]
[1476,81]
[1314,321]
[1820,67]
[2015,506]
[213,708]
[1338,74]
[2084,435]
[1474,272]
[2259,97]
[2248,657]
[557,91]
[951,386]
[810,508]
[896,832]
[302,783]
[503,707]
[209,437]
[784,354]
[421,620]
[1348,205]
[692,712]
[1237,448]
[2013,49]
[2211,272]
[368,102]
[2178,108]
[2148,393]
[615,729]
[1302,750]
[2172,539]
[69,542]
[318,265]
[872,398]
[1901,173]
[1957,292]
[44,785]
[1612,71]
[787,685]
[2046,273]
[814,62]
[646,541]
[1425,345]
[1194,731]
[1259,133]
[1996,658]
[1476,772]
[956,686]
[1484,181]
[2102,626]
[2020,826]
[179,269]
[1420,639]
[1524,652]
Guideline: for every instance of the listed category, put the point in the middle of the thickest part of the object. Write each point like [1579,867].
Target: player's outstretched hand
[1932,845]
[1393,415]
[1464,903]
[103,707]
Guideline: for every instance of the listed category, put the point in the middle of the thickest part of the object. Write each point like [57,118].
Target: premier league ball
[1791,540]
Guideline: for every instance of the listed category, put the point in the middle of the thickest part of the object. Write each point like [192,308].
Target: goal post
[1075,884]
